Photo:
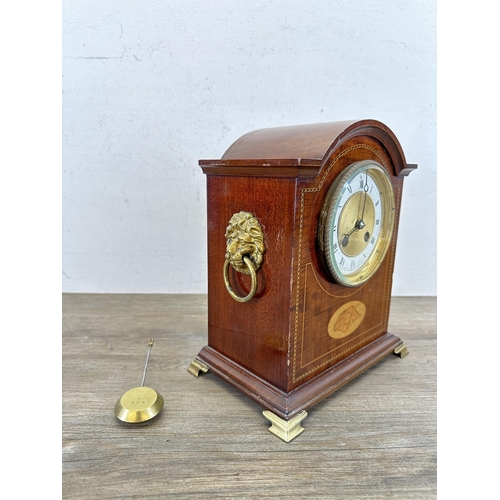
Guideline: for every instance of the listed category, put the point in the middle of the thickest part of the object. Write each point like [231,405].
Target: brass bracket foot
[401,350]
[196,367]
[285,429]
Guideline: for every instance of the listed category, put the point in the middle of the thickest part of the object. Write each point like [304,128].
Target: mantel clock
[302,229]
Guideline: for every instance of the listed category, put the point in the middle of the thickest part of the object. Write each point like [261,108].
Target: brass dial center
[354,232]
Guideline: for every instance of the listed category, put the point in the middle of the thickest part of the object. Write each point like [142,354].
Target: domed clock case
[302,230]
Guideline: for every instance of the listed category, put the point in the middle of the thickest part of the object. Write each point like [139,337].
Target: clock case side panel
[248,342]
[316,297]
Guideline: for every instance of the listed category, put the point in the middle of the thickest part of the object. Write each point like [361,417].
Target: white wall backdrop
[151,87]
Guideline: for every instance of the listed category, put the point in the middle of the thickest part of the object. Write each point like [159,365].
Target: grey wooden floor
[373,439]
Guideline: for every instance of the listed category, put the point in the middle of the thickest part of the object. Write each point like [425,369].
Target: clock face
[356,222]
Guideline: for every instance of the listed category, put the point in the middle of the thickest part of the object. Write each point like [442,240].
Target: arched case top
[301,150]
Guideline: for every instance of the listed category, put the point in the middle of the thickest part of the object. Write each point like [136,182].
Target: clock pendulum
[302,232]
[140,403]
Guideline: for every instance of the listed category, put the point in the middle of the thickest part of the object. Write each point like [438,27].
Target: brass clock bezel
[328,214]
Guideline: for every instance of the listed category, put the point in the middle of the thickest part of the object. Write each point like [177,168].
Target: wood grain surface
[373,439]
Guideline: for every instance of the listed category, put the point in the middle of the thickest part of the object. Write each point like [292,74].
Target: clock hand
[360,223]
[365,189]
[345,238]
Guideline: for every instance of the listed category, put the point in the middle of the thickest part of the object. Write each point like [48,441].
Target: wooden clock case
[276,348]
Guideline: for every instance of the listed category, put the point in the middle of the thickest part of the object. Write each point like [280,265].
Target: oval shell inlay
[346,319]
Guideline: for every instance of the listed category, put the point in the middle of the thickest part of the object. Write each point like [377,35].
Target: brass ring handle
[253,274]
[244,250]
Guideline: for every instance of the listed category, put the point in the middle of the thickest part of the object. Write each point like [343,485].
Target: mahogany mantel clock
[302,229]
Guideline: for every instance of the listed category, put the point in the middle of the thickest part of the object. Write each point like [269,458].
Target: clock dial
[356,223]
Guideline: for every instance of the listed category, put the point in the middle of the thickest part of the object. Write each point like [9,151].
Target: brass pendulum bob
[140,403]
